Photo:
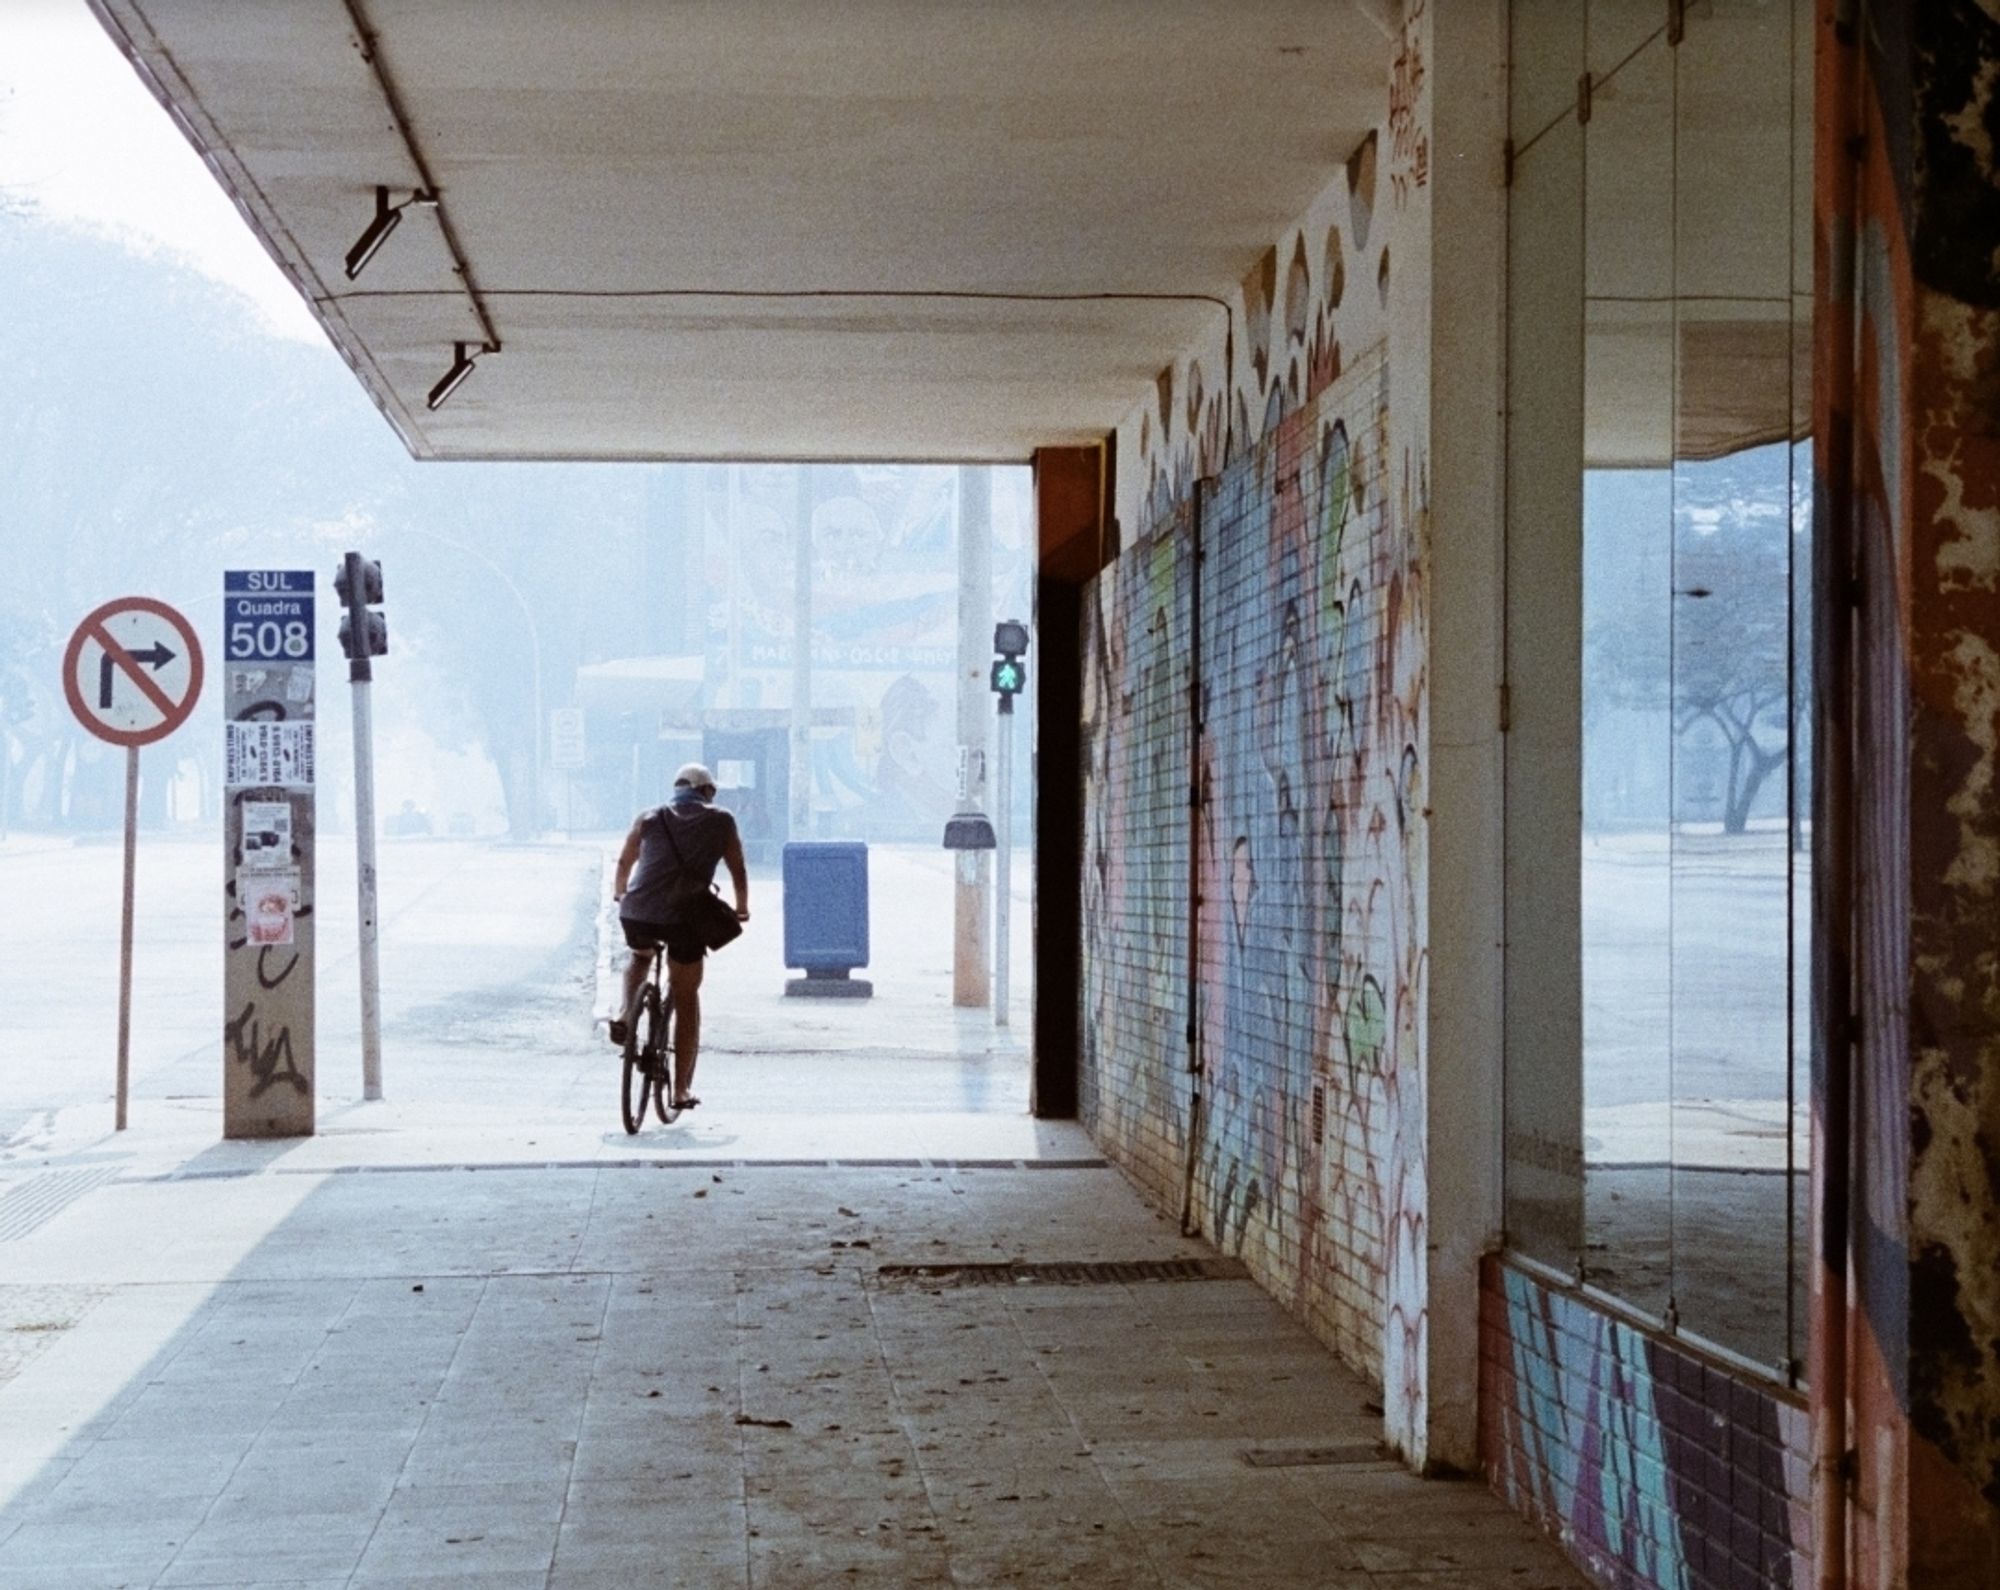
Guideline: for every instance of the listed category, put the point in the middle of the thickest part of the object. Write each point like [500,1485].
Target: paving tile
[81,1575]
[811,1560]
[36,1546]
[663,1559]
[188,1466]
[1035,1550]
[247,1574]
[460,1538]
[663,1540]
[253,1561]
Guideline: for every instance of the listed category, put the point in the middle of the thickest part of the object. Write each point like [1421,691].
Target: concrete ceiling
[897,229]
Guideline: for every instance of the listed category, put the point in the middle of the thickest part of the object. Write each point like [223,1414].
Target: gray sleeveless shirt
[673,868]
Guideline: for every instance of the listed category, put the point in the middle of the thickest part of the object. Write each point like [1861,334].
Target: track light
[387,218]
[454,378]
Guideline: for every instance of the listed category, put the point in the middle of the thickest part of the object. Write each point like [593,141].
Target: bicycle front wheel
[656,1025]
[639,1076]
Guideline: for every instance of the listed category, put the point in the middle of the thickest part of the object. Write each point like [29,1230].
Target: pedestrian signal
[1010,674]
[364,632]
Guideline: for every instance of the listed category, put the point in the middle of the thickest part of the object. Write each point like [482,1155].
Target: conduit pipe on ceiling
[370,45]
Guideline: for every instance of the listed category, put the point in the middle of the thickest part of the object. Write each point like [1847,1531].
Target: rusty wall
[1923,228]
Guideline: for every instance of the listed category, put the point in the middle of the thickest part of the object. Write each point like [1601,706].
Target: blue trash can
[826,918]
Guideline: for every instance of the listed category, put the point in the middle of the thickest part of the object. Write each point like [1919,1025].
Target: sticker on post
[267,835]
[265,755]
[270,905]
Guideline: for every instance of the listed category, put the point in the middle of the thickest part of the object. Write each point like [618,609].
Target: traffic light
[358,584]
[1010,674]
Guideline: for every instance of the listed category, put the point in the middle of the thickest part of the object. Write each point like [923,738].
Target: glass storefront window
[1659,548]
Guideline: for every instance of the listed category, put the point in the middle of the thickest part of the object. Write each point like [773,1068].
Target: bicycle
[649,1055]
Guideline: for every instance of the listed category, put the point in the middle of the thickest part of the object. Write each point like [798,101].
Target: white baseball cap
[694,776]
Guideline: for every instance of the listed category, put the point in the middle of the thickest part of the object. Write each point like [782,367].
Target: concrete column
[1448,397]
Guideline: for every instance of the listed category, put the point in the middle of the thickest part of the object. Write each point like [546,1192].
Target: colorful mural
[1308,589]
[1654,1467]
[1311,694]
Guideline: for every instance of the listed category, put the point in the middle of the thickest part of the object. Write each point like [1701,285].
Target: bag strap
[667,828]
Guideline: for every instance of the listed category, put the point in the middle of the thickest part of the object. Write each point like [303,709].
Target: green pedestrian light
[1010,674]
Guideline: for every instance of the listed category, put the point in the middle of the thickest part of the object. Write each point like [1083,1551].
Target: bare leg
[636,971]
[684,985]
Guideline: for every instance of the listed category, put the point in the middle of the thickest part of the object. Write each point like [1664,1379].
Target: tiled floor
[687,1376]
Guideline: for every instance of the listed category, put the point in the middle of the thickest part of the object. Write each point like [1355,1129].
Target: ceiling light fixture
[387,218]
[464,356]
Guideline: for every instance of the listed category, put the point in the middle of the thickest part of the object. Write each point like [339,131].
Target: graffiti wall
[1307,962]
[1134,1085]
[1254,927]
[1653,1467]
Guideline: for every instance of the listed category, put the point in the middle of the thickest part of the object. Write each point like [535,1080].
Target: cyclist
[675,849]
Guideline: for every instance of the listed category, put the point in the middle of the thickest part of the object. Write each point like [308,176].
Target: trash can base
[829,985]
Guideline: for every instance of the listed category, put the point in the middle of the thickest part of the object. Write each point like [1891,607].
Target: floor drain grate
[38,1199]
[1314,1457]
[1075,1273]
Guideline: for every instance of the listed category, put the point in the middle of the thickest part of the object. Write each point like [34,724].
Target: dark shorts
[681,944]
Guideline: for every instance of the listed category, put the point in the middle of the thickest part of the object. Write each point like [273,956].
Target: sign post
[269,838]
[364,635]
[132,673]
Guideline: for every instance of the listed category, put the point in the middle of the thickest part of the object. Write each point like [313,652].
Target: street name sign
[267,615]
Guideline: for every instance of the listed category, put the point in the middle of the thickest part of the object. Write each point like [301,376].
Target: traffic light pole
[360,673]
[1003,857]
[1008,679]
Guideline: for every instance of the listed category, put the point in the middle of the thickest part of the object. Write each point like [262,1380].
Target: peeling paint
[1975,701]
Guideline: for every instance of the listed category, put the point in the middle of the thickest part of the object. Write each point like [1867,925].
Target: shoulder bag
[712,918]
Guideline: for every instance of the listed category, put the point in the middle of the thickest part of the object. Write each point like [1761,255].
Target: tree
[1733,615]
[1722,659]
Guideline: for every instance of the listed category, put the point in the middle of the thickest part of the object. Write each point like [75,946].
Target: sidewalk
[477,1336]
[713,1375]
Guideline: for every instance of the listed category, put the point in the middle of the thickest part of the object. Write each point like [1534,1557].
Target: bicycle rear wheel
[639,1076]
[657,1024]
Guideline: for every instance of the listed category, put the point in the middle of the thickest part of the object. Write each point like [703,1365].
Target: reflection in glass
[1627,983]
[1693,690]
[1627,700]
[1732,523]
